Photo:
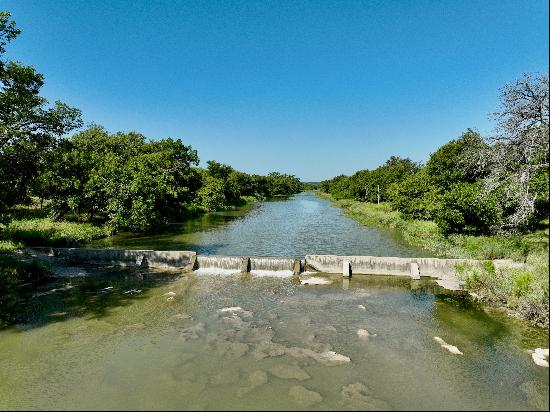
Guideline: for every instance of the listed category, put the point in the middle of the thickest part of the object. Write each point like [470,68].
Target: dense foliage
[29,127]
[121,179]
[471,185]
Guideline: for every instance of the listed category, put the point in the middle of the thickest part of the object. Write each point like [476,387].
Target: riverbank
[31,226]
[523,290]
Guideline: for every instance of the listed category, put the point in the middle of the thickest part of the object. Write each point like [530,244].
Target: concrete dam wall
[444,270]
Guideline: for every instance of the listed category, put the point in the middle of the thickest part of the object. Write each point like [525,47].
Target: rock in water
[289,372]
[255,379]
[225,377]
[356,396]
[364,334]
[538,358]
[304,397]
[543,352]
[315,281]
[361,307]
[451,348]
[331,356]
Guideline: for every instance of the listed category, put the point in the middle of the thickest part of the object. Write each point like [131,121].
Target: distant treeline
[474,184]
[120,179]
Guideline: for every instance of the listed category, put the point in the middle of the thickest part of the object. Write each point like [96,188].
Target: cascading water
[258,266]
[271,266]
[219,265]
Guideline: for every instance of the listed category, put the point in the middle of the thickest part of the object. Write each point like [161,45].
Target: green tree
[29,128]
[465,210]
[122,179]
[446,166]
[415,196]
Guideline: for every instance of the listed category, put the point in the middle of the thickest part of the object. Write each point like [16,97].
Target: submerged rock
[225,377]
[364,334]
[451,348]
[255,380]
[193,332]
[179,316]
[289,372]
[269,349]
[235,310]
[333,357]
[329,358]
[304,397]
[231,349]
[356,396]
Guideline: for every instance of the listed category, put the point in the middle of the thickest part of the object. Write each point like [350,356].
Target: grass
[46,232]
[521,288]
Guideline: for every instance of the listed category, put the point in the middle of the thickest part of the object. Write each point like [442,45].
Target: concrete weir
[443,270]
[162,259]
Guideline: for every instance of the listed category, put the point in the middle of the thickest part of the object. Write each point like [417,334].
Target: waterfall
[220,265]
[258,266]
[271,266]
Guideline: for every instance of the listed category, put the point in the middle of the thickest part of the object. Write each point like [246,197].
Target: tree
[515,158]
[415,196]
[29,128]
[122,179]
[445,166]
[464,210]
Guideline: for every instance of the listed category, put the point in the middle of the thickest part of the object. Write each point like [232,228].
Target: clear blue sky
[314,88]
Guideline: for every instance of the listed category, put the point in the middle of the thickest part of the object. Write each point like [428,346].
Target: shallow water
[93,346]
[303,224]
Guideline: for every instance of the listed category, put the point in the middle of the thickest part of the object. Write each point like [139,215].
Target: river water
[301,225]
[143,339]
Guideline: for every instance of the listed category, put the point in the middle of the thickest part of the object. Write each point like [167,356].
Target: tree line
[473,184]
[121,179]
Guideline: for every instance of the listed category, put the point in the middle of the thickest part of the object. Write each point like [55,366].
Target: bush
[415,197]
[46,232]
[463,210]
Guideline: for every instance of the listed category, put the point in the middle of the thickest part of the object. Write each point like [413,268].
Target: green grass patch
[46,232]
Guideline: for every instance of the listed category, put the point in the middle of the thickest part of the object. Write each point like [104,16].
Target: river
[301,225]
[144,339]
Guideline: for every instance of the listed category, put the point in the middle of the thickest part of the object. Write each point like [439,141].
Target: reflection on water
[145,340]
[304,224]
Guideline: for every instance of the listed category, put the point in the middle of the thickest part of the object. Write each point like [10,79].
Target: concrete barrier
[443,270]
[381,265]
[163,259]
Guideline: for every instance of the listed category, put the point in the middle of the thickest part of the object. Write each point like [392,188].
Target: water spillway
[222,264]
[443,270]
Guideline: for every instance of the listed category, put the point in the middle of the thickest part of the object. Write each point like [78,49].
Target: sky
[311,88]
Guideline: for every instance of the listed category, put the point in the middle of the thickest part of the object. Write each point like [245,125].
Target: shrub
[464,210]
[414,197]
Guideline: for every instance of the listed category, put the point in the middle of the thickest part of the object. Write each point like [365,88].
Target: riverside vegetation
[476,197]
[64,191]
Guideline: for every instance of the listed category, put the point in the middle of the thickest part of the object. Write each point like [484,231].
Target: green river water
[143,339]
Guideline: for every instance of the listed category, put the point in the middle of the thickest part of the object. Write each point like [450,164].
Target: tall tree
[516,156]
[29,126]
